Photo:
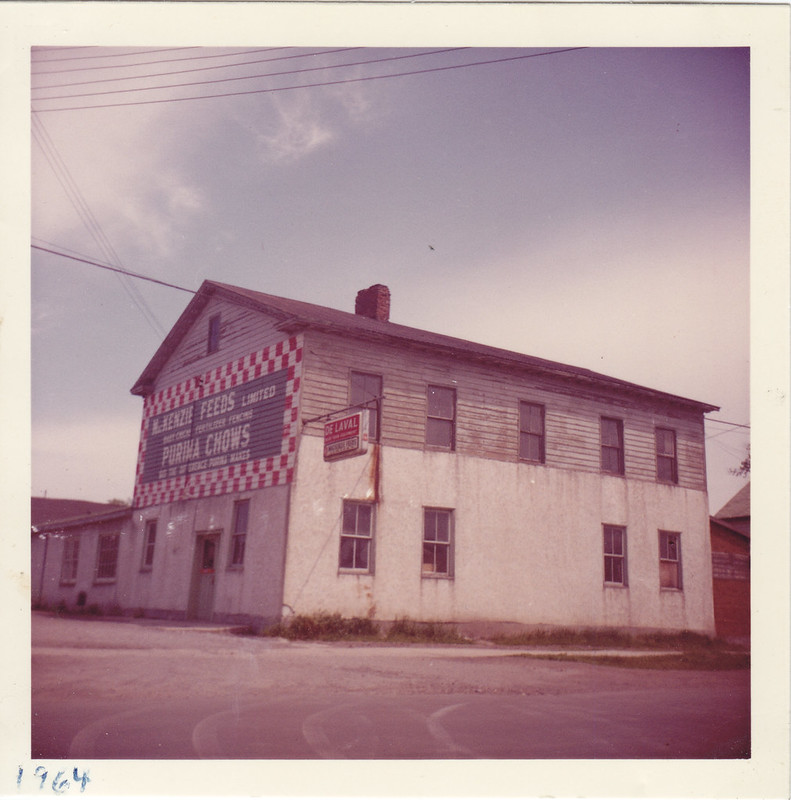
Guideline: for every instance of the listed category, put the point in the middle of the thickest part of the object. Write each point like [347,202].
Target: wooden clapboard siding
[242,331]
[487,408]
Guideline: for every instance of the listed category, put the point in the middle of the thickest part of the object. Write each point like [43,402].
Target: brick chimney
[373,302]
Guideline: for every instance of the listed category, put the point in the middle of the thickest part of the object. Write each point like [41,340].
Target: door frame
[198,572]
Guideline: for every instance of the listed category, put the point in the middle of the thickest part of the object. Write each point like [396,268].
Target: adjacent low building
[299,459]
[76,548]
[730,558]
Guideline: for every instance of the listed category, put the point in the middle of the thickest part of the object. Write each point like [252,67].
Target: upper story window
[366,389]
[241,519]
[214,334]
[612,446]
[149,543]
[437,543]
[71,556]
[357,532]
[666,460]
[669,560]
[531,432]
[615,555]
[107,557]
[441,417]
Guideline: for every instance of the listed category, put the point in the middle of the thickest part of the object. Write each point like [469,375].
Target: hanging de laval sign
[346,436]
[232,429]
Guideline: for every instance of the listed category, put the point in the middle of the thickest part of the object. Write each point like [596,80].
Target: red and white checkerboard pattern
[242,477]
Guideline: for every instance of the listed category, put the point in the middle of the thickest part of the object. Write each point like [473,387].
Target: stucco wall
[251,592]
[528,543]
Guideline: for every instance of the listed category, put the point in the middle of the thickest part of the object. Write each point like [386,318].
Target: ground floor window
[615,555]
[149,544]
[669,560]
[71,555]
[241,519]
[107,556]
[437,542]
[357,530]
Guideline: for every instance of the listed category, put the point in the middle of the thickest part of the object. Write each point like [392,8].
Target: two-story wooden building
[494,487]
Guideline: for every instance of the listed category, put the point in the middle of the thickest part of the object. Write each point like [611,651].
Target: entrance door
[201,603]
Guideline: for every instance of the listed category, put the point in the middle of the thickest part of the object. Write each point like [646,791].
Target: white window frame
[368,400]
[357,538]
[525,430]
[663,457]
[670,561]
[107,548]
[614,560]
[149,545]
[433,416]
[71,559]
[238,542]
[431,545]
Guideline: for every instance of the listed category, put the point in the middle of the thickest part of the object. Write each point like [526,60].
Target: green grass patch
[334,628]
[325,627]
[408,631]
[608,638]
[697,659]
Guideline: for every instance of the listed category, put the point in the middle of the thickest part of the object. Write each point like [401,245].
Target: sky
[588,205]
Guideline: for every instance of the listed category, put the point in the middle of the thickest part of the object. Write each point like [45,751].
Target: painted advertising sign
[232,429]
[346,436]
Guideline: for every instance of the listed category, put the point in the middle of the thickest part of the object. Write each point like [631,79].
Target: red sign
[346,436]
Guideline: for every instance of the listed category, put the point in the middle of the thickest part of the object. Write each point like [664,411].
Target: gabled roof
[295,315]
[737,507]
[50,509]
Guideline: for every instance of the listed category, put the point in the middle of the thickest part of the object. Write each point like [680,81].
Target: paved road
[122,690]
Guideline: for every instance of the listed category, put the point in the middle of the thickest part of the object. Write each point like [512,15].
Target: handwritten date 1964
[60,783]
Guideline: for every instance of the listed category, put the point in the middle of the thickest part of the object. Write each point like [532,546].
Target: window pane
[668,575]
[365,388]
[440,402]
[610,432]
[242,516]
[611,460]
[439,432]
[428,557]
[361,553]
[347,553]
[238,549]
[443,528]
[349,518]
[441,558]
[430,526]
[364,520]
[665,469]
[530,446]
[532,418]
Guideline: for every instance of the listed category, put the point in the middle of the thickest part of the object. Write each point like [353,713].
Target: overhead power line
[114,55]
[147,63]
[313,85]
[112,269]
[194,69]
[723,422]
[253,77]
[75,196]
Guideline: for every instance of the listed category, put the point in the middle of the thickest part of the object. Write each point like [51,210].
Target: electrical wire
[311,85]
[157,61]
[126,272]
[252,77]
[116,55]
[193,69]
[724,422]
[69,185]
